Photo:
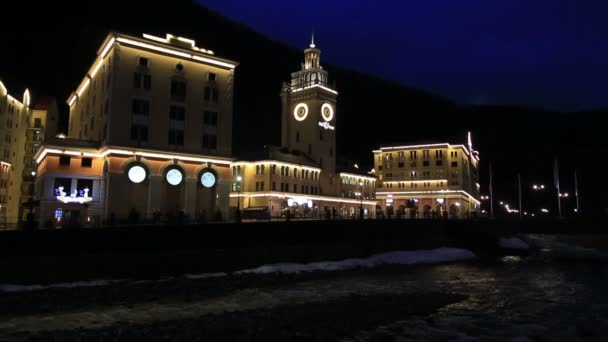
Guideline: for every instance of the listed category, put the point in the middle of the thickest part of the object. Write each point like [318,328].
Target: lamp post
[238,198]
[361,199]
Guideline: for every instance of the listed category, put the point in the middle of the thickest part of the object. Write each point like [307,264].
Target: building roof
[43,103]
[270,152]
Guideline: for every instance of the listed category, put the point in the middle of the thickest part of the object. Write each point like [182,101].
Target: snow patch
[205,275]
[37,287]
[390,258]
[513,243]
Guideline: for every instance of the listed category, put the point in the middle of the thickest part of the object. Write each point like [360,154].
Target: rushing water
[556,294]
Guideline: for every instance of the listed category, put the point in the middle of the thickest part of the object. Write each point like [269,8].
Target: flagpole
[578,209]
[556,180]
[491,194]
[519,188]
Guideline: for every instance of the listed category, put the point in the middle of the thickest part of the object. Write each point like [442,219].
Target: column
[190,197]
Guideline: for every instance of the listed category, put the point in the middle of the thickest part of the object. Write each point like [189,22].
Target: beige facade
[428,180]
[14,115]
[81,183]
[155,93]
[300,177]
[149,138]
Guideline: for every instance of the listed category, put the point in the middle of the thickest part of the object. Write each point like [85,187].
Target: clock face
[136,174]
[301,111]
[208,179]
[174,177]
[327,112]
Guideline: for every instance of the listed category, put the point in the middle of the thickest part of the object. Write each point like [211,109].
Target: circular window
[208,179]
[179,67]
[327,112]
[301,111]
[137,174]
[174,177]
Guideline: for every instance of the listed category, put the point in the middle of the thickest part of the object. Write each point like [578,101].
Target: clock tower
[309,113]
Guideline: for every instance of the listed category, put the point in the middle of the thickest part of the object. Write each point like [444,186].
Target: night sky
[541,53]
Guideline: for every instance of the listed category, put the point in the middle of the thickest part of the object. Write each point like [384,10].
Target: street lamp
[361,199]
[238,196]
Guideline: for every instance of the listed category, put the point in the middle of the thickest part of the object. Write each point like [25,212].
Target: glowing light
[423,146]
[315,86]
[107,48]
[440,200]
[326,125]
[457,204]
[26,98]
[344,174]
[544,210]
[174,177]
[327,111]
[278,163]
[72,100]
[430,192]
[175,52]
[137,174]
[96,68]
[208,179]
[83,87]
[4,91]
[417,181]
[183,158]
[312,198]
[73,198]
[300,112]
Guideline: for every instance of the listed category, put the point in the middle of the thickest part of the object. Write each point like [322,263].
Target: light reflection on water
[540,298]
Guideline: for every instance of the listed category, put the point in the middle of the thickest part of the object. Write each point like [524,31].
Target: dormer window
[143,61]
[179,67]
[211,76]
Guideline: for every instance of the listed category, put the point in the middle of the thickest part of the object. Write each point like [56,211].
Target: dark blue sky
[543,53]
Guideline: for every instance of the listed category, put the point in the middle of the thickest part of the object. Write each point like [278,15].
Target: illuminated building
[151,118]
[428,180]
[300,177]
[22,129]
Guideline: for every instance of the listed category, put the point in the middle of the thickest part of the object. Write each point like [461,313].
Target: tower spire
[312,40]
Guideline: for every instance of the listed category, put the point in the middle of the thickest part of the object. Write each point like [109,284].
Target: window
[147,82]
[379,167]
[178,90]
[413,155]
[176,137]
[399,164]
[84,187]
[425,154]
[35,148]
[139,132]
[37,123]
[211,76]
[141,107]
[295,188]
[207,95]
[210,118]
[454,164]
[86,162]
[143,61]
[210,141]
[439,154]
[274,186]
[215,95]
[439,162]
[413,174]
[426,163]
[64,160]
[177,113]
[137,80]
[63,187]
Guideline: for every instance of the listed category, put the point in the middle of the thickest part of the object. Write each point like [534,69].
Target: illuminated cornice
[409,147]
[5,164]
[3,90]
[416,181]
[428,192]
[124,152]
[346,174]
[303,197]
[166,48]
[315,86]
[278,163]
